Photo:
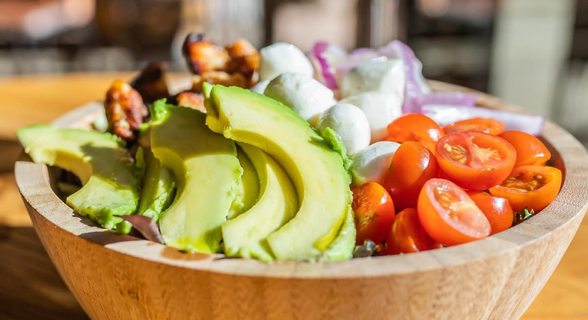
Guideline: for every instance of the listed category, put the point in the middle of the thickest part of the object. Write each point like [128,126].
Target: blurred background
[530,52]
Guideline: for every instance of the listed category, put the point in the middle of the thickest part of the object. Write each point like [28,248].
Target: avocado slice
[247,189]
[100,160]
[159,184]
[317,171]
[206,169]
[245,236]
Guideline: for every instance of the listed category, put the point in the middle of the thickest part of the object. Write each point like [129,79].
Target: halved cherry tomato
[475,160]
[530,150]
[415,127]
[486,125]
[374,212]
[412,166]
[407,234]
[531,187]
[496,209]
[449,215]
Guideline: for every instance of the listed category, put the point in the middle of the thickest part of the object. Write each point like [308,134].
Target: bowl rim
[570,205]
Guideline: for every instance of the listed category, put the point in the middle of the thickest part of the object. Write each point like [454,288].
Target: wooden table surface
[30,288]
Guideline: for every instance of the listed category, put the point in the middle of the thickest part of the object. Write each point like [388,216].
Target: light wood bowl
[122,277]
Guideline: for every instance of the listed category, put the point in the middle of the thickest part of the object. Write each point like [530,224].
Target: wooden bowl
[122,277]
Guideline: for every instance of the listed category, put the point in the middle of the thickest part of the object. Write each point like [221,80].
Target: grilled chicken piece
[244,58]
[125,110]
[202,55]
[150,83]
[218,77]
[192,100]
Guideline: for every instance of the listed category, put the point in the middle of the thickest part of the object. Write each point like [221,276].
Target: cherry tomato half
[407,234]
[475,160]
[449,215]
[412,166]
[486,125]
[531,187]
[374,212]
[530,150]
[415,127]
[497,210]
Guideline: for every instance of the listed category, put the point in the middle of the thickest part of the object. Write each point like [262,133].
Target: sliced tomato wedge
[496,209]
[475,160]
[412,166]
[449,215]
[415,127]
[374,212]
[407,234]
[530,150]
[486,125]
[531,187]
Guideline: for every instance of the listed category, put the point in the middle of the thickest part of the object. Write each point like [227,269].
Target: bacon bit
[233,65]
[202,55]
[150,83]
[214,77]
[191,100]
[124,110]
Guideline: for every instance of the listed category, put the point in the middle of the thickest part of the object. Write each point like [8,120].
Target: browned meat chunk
[191,100]
[151,83]
[125,110]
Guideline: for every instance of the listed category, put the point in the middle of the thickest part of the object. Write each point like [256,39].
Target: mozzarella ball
[350,123]
[260,86]
[372,163]
[303,94]
[282,58]
[381,76]
[379,108]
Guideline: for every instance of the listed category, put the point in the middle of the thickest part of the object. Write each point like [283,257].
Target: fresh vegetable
[522,216]
[350,123]
[497,210]
[447,114]
[412,166]
[374,212]
[449,215]
[415,127]
[486,125]
[408,235]
[530,150]
[531,187]
[475,160]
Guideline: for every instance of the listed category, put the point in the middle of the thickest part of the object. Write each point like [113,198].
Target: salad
[281,155]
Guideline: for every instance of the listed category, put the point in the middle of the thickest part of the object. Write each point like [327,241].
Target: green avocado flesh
[245,236]
[106,169]
[206,169]
[247,189]
[316,170]
[158,188]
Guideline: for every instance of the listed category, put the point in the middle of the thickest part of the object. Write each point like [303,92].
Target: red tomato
[530,150]
[449,215]
[497,210]
[486,125]
[407,234]
[415,127]
[531,187]
[475,160]
[374,212]
[412,166]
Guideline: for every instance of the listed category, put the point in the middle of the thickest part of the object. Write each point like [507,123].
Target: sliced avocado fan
[247,189]
[206,170]
[316,170]
[105,167]
[245,236]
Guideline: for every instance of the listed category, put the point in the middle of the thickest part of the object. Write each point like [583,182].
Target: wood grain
[116,277]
